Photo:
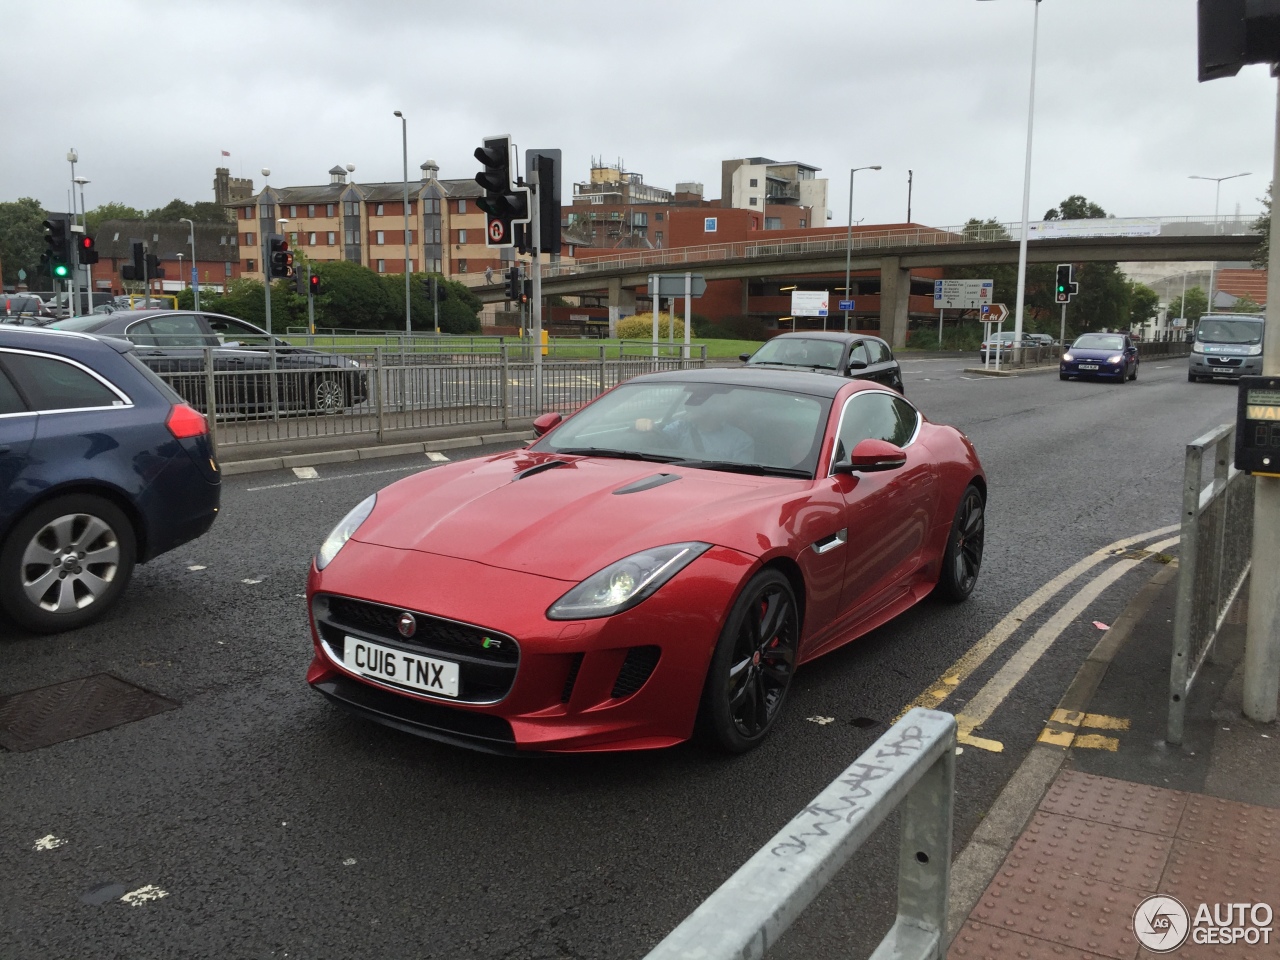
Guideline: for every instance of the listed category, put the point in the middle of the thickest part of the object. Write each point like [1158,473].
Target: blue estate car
[1110,355]
[101,466]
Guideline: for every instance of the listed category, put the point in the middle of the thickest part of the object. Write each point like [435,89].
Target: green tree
[1197,304]
[353,296]
[1263,226]
[1075,207]
[1143,303]
[459,310]
[21,237]
[110,211]
[1246,304]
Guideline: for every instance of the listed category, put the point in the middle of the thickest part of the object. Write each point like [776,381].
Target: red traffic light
[86,251]
[315,283]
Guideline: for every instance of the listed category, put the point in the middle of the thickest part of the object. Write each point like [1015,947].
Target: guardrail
[416,345]
[1213,561]
[255,396]
[912,765]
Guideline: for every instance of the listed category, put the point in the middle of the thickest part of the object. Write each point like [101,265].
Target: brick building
[216,248]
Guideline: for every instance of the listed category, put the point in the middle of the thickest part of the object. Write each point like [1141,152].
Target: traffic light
[279,257]
[313,285]
[503,203]
[86,251]
[547,164]
[57,247]
[526,291]
[154,270]
[1233,33]
[513,283]
[1066,287]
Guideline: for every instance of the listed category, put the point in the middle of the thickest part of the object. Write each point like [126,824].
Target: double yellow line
[993,693]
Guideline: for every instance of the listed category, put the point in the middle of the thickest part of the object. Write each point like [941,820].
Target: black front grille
[574,666]
[487,660]
[636,669]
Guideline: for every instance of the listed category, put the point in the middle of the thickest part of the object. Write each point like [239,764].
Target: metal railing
[908,237]
[912,765]
[1217,543]
[271,395]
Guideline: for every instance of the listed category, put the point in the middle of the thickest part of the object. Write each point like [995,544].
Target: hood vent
[539,468]
[648,483]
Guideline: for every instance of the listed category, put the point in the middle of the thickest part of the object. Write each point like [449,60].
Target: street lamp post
[1217,192]
[88,267]
[195,276]
[848,241]
[404,142]
[72,157]
[1026,192]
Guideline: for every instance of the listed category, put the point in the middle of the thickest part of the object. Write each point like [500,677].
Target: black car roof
[57,341]
[838,335]
[786,381]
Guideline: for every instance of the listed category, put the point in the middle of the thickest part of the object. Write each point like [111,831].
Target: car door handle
[827,544]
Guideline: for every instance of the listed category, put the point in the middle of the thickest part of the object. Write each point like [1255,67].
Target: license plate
[1088,366]
[402,669]
[1223,369]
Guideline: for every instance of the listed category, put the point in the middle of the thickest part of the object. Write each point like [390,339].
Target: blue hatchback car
[1109,355]
[102,466]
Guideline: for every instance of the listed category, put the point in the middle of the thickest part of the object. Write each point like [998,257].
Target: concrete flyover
[895,257]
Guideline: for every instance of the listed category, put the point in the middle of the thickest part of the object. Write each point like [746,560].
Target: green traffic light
[60,270]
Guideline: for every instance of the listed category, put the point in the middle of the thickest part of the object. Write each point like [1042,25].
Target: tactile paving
[1247,830]
[1056,844]
[64,711]
[1201,873]
[1133,806]
[1061,908]
[979,941]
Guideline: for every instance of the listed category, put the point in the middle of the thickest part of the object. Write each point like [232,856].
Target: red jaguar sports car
[656,565]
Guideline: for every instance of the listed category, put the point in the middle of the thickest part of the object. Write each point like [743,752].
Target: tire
[1063,376]
[752,666]
[1134,375]
[962,560]
[81,592]
[328,394]
[1192,378]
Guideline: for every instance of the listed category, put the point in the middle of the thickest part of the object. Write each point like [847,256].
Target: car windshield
[1229,330]
[799,352]
[81,324]
[714,425]
[1099,341]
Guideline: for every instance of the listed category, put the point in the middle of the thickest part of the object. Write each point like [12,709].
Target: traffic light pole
[311,304]
[266,281]
[435,299]
[1062,337]
[1262,637]
[535,305]
[74,264]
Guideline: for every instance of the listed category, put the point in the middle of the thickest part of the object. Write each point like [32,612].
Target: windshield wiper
[755,469]
[616,454]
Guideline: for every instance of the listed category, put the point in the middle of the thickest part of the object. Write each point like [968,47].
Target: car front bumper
[627,682]
[1072,368]
[1206,365]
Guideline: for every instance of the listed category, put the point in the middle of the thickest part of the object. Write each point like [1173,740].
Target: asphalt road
[278,826]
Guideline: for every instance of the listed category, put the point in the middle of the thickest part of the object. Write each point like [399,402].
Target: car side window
[858,352]
[879,351]
[875,416]
[52,384]
[178,331]
[234,331]
[10,402]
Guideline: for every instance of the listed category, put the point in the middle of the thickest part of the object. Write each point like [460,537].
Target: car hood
[1093,353]
[567,522]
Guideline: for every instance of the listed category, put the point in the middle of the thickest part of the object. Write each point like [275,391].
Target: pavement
[1103,815]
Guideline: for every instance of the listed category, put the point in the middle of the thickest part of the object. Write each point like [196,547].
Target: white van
[1226,345]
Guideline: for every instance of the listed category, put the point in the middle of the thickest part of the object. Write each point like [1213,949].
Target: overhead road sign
[809,303]
[961,294]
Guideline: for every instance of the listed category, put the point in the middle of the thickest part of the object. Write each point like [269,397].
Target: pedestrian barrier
[912,765]
[274,394]
[1213,561]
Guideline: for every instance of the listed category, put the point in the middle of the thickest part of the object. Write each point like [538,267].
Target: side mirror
[857,364]
[872,456]
[744,357]
[545,423]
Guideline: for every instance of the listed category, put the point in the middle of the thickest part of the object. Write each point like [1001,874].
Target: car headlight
[340,534]
[1196,347]
[1116,359]
[627,582]
[1255,350]
[1068,357]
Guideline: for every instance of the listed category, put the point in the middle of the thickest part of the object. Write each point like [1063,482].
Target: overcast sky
[672,88]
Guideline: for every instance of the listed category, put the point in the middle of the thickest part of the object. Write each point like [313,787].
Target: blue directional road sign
[846,305]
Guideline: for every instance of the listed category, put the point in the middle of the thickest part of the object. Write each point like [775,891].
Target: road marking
[144,894]
[197,566]
[1063,728]
[1093,741]
[977,655]
[345,476]
[305,473]
[1165,367]
[993,693]
[437,456]
[821,721]
[250,581]
[49,842]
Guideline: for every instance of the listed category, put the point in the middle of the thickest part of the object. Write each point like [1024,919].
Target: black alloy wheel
[962,561]
[752,666]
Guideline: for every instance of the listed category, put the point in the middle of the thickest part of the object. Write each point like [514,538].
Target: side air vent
[636,669]
[572,678]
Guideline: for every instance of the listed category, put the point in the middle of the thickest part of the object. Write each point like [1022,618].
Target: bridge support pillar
[895,287]
[622,303]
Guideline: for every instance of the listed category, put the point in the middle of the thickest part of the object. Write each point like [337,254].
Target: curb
[1006,372]
[237,467]
[973,870]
